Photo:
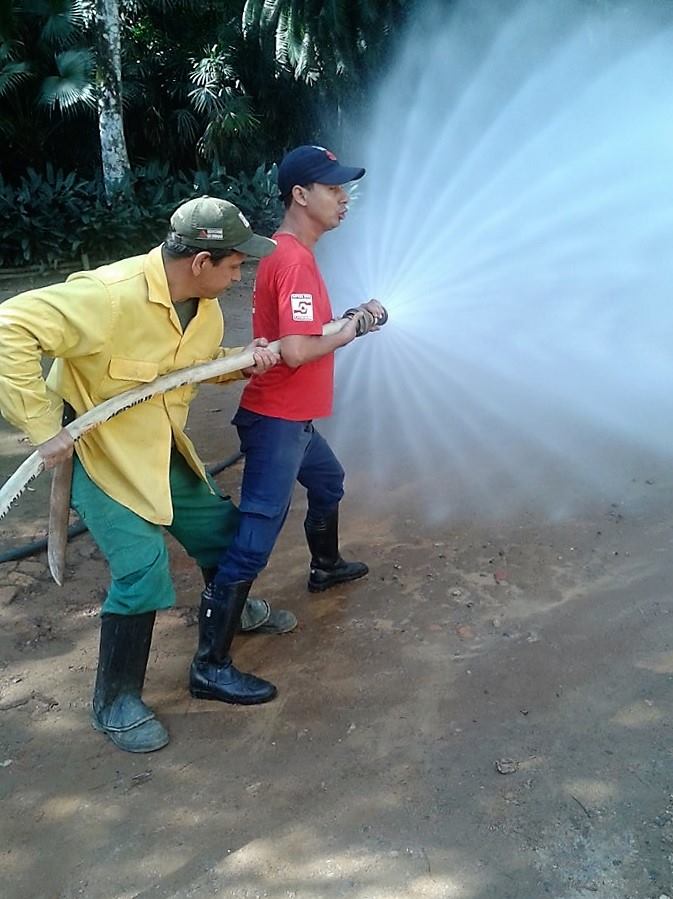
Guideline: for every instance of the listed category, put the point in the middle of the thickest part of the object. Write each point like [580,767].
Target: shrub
[256,195]
[52,218]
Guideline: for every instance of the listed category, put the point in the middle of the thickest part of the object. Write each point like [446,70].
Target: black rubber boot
[327,567]
[208,574]
[118,710]
[212,675]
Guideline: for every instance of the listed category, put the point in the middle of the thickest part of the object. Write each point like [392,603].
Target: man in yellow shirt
[108,330]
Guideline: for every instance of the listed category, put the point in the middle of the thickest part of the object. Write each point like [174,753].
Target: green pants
[135,549]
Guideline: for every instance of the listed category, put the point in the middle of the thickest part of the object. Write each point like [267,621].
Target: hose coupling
[368,321]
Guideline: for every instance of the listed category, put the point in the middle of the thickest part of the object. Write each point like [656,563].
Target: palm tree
[114,155]
[183,93]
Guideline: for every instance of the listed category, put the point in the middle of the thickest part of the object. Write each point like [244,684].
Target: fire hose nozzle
[373,321]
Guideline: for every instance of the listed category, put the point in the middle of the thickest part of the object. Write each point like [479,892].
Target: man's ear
[199,260]
[299,195]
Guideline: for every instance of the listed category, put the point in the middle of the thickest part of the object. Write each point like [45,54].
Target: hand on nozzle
[368,317]
[377,311]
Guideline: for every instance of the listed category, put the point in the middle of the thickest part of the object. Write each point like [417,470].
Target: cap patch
[211,233]
[243,219]
[328,153]
[302,307]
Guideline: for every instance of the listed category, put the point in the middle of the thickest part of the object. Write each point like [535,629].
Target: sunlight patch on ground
[591,791]
[660,663]
[640,714]
[410,872]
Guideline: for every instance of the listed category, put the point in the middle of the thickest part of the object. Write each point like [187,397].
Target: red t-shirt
[290,297]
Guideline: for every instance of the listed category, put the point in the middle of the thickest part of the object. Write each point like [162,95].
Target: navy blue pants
[278,453]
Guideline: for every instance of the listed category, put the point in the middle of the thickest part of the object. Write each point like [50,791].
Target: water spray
[520,232]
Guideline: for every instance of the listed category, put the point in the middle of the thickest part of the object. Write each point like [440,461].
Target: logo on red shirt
[302,307]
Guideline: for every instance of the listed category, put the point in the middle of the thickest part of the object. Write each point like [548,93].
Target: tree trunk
[114,155]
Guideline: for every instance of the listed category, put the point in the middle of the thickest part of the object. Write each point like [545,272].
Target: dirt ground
[486,716]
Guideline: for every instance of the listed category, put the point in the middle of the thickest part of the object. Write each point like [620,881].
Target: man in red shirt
[275,418]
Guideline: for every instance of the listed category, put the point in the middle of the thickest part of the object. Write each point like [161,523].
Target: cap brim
[256,246]
[341,174]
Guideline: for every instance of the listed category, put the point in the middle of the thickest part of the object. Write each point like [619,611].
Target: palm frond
[12,74]
[320,38]
[72,87]
[205,100]
[213,69]
[235,119]
[186,125]
[63,21]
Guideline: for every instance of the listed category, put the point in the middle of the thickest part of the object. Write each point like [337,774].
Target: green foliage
[256,194]
[46,92]
[54,218]
[220,84]
[182,90]
[316,60]
[318,39]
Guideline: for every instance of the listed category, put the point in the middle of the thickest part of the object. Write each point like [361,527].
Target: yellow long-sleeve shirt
[109,330]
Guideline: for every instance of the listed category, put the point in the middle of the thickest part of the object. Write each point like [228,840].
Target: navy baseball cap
[313,165]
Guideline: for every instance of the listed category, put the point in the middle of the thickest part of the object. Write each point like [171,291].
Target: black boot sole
[320,588]
[204,694]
